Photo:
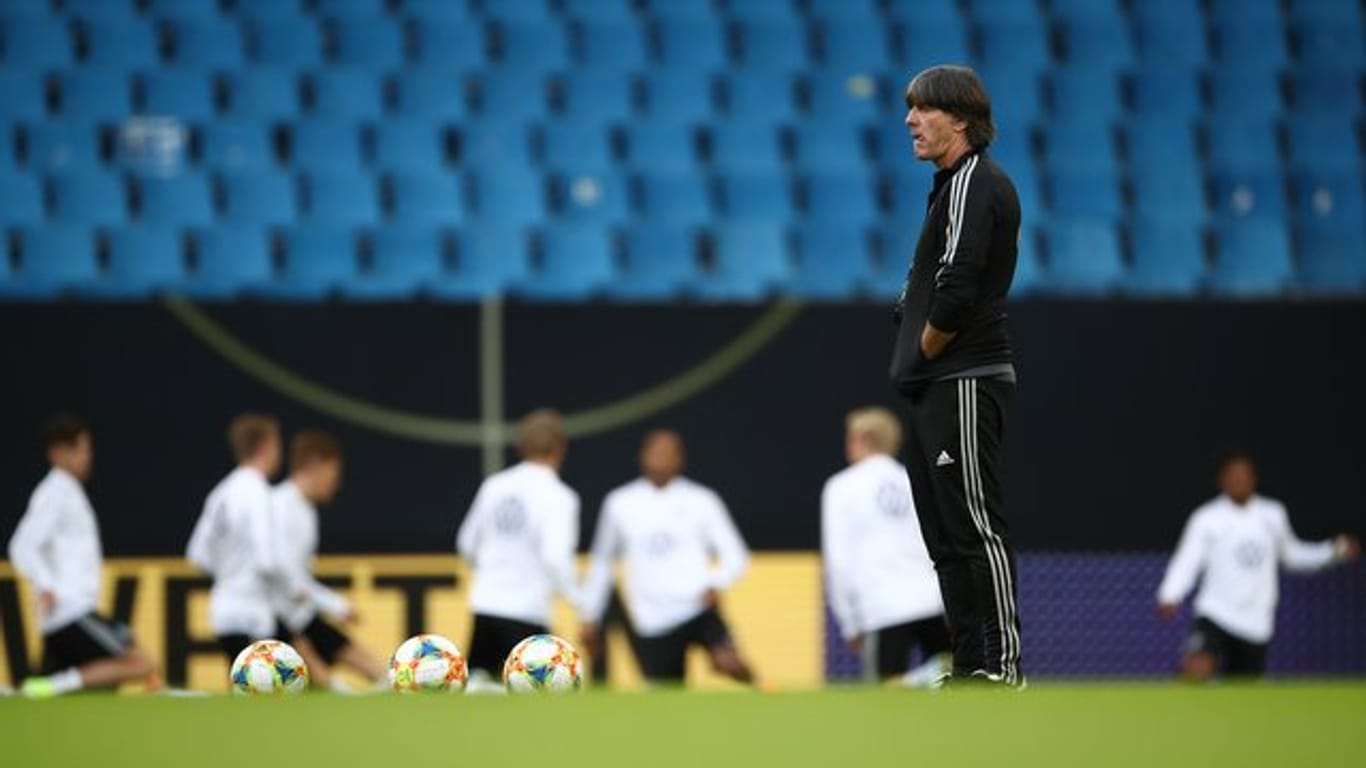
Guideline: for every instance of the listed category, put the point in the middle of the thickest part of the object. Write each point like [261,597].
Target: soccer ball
[268,666]
[427,663]
[543,664]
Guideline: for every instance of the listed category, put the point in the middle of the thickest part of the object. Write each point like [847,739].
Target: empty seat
[907,195]
[341,198]
[318,261]
[321,144]
[21,95]
[53,260]
[184,8]
[179,93]
[355,94]
[1251,194]
[428,11]
[425,200]
[760,96]
[509,198]
[675,199]
[122,44]
[692,45]
[1324,144]
[1169,259]
[1249,95]
[592,195]
[598,9]
[758,9]
[1160,145]
[410,145]
[1029,278]
[672,10]
[185,200]
[855,45]
[597,96]
[491,146]
[1165,91]
[533,46]
[577,262]
[209,44]
[1084,258]
[1175,193]
[662,146]
[617,45]
[1014,44]
[59,146]
[143,260]
[433,94]
[840,98]
[1242,145]
[1085,93]
[1331,258]
[268,10]
[829,147]
[404,262]
[661,262]
[235,144]
[517,10]
[1251,45]
[259,198]
[840,197]
[750,261]
[920,45]
[516,94]
[756,196]
[1170,42]
[778,44]
[1330,43]
[1331,199]
[373,43]
[1326,90]
[833,261]
[827,10]
[451,47]
[1016,95]
[348,9]
[1081,146]
[94,95]
[37,43]
[262,92]
[291,44]
[745,146]
[90,198]
[1096,44]
[679,95]
[490,260]
[229,262]
[1084,195]
[1252,258]
[582,145]
[21,200]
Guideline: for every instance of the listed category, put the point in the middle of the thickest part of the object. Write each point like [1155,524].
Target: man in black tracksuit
[953,364]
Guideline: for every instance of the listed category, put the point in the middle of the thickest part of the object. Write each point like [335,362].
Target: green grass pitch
[1050,725]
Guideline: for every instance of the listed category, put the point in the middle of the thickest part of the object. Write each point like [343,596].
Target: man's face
[273,448]
[933,132]
[326,480]
[1238,480]
[662,457]
[83,455]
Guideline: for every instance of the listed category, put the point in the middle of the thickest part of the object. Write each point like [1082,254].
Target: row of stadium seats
[575,261]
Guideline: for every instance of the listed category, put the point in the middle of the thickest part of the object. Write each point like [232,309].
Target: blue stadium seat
[1245,94]
[1084,258]
[318,261]
[577,262]
[235,145]
[750,261]
[426,200]
[1029,277]
[661,145]
[430,93]
[347,93]
[290,44]
[1086,94]
[119,44]
[845,197]
[680,95]
[921,44]
[596,10]
[1097,45]
[533,46]
[341,198]
[1326,90]
[1084,194]
[1258,194]
[92,199]
[855,45]
[672,10]
[267,10]
[1168,42]
[1332,258]
[1015,95]
[262,92]
[829,147]
[508,198]
[1014,44]
[1330,11]
[449,47]
[907,195]
[490,146]
[185,8]
[350,8]
[1080,145]
[404,262]
[490,260]
[756,196]
[259,198]
[743,146]
[37,44]
[54,260]
[1003,10]
[321,144]
[1086,10]
[832,97]
[746,10]
[1334,199]
[229,262]
[1159,145]
[1251,45]
[778,44]
[430,11]
[692,45]
[1324,144]
[830,10]
[1240,146]
[180,93]
[143,260]
[617,45]
[372,43]
[21,200]
[517,10]
[582,145]
[1244,11]
[59,146]
[94,95]
[597,96]
[833,261]
[411,145]
[602,197]
[1252,259]
[1175,193]
[1183,12]
[184,200]
[516,94]
[99,10]
[1165,91]
[206,44]
[1330,43]
[21,95]
[675,199]
[760,96]
[661,262]
[1169,259]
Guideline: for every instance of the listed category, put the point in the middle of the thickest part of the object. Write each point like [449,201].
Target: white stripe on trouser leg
[101,634]
[997,559]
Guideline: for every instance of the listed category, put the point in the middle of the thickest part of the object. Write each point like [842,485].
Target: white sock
[67,681]
[341,686]
[929,674]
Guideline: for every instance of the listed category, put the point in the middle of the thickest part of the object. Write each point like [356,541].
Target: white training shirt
[1238,549]
[296,537]
[878,573]
[57,548]
[234,541]
[668,537]
[519,537]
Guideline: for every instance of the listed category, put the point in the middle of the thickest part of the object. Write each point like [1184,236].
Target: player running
[1236,542]
[668,528]
[315,463]
[881,583]
[234,540]
[519,538]
[57,548]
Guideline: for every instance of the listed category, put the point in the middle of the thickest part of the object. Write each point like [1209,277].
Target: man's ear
[959,125]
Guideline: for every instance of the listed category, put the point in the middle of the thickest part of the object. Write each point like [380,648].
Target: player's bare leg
[132,665]
[1197,667]
[726,660]
[319,671]
[361,660]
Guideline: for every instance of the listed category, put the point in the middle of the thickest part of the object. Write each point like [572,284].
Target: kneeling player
[315,461]
[57,548]
[668,528]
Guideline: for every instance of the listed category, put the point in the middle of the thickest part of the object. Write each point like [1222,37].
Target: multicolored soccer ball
[543,664]
[268,666]
[428,663]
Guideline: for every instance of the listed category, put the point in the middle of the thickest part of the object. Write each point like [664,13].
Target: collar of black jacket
[944,175]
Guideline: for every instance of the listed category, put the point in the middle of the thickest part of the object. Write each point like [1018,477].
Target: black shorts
[493,639]
[89,638]
[233,644]
[1233,656]
[890,647]
[326,639]
[663,658]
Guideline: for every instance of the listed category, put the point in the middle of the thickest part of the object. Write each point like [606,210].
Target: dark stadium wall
[1120,413]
